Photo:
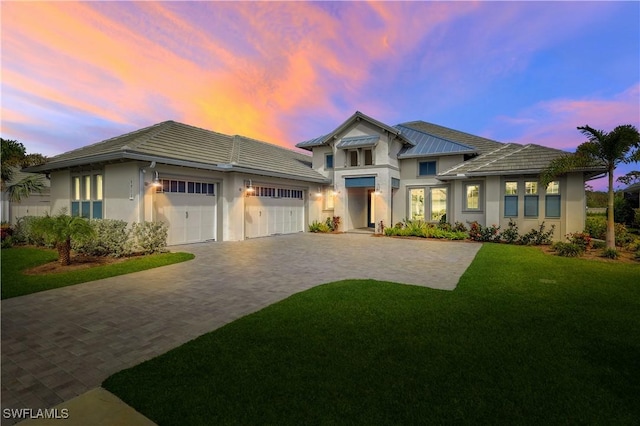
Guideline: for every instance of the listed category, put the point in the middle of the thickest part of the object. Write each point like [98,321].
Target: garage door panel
[266,216]
[190,217]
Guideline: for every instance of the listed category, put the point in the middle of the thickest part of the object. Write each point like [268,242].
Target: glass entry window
[416,201]
[438,203]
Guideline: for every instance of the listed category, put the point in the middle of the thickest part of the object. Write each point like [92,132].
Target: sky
[75,73]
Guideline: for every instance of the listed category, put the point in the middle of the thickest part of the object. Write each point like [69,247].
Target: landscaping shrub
[459,227]
[622,211]
[419,228]
[623,237]
[111,239]
[596,226]
[581,239]
[477,232]
[149,237]
[319,227]
[23,232]
[538,236]
[636,218]
[568,249]
[510,235]
[610,253]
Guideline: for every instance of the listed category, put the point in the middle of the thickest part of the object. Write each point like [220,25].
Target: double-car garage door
[271,211]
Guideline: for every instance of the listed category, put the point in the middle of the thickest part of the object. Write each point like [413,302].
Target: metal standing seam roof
[427,144]
[171,142]
[358,142]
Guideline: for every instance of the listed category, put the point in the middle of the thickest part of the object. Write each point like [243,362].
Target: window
[552,200]
[531,188]
[368,157]
[531,199]
[87,195]
[472,196]
[427,168]
[553,187]
[511,199]
[188,187]
[438,203]
[416,200]
[328,161]
[353,158]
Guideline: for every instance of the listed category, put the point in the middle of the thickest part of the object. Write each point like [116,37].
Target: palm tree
[14,157]
[60,230]
[621,145]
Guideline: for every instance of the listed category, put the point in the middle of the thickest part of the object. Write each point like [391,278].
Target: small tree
[14,156]
[59,230]
[621,145]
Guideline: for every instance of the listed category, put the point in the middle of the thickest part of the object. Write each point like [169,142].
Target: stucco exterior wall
[60,191]
[122,191]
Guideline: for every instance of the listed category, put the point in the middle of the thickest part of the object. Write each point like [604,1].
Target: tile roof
[171,142]
[508,158]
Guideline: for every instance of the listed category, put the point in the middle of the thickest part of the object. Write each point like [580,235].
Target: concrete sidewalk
[61,343]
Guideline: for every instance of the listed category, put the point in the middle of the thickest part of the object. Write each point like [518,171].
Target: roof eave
[435,154]
[136,156]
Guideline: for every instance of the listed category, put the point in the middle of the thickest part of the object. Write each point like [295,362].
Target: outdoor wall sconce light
[156,180]
[250,188]
[377,191]
[319,192]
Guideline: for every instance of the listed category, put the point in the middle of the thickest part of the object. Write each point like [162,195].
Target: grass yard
[18,259]
[526,338]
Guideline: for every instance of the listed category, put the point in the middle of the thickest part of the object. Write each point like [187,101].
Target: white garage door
[189,210]
[271,211]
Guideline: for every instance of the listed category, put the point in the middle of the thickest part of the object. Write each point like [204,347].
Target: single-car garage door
[270,211]
[189,210]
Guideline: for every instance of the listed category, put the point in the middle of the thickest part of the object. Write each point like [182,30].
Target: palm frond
[25,187]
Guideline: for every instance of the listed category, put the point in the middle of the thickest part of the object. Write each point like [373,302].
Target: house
[36,204]
[211,186]
[422,171]
[632,194]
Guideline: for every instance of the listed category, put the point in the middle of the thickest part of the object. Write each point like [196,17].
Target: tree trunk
[611,236]
[64,252]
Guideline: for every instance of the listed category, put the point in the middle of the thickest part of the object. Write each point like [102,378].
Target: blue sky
[283,72]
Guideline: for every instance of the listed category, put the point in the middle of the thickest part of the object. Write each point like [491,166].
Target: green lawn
[16,260]
[526,338]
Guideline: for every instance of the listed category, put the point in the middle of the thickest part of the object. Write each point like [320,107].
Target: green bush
[610,253]
[319,226]
[636,218]
[622,211]
[111,239]
[477,232]
[568,249]
[510,235]
[418,228]
[149,237]
[23,232]
[538,236]
[596,226]
[582,239]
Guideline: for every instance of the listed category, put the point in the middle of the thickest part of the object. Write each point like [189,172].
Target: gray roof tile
[173,142]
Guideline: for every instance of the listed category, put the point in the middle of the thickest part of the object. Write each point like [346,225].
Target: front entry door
[371,208]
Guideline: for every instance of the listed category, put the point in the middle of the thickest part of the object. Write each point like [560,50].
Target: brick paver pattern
[61,343]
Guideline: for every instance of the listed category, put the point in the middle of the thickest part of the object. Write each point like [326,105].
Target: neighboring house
[36,204]
[632,194]
[422,171]
[210,186]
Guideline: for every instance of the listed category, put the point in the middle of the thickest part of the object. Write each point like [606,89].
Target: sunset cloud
[74,73]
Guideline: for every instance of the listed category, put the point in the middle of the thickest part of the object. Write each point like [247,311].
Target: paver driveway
[60,343]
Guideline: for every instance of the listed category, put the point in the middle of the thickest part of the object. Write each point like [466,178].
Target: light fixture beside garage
[156,180]
[250,187]
[319,192]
